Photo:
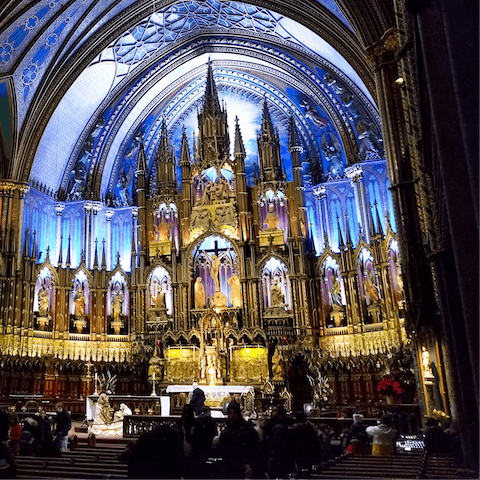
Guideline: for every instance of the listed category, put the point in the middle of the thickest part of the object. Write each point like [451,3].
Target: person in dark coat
[280,459]
[306,445]
[156,454]
[203,435]
[198,399]
[62,425]
[238,445]
[357,438]
[436,439]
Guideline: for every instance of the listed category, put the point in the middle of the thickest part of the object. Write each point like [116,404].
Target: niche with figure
[335,293]
[369,289]
[44,300]
[80,304]
[118,305]
[216,280]
[275,285]
[159,294]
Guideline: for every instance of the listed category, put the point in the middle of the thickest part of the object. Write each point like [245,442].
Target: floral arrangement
[388,386]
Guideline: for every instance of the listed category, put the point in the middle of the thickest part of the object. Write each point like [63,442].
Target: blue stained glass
[215,4]
[18,36]
[246,23]
[41,55]
[190,23]
[182,8]
[138,32]
[251,9]
[239,6]
[26,90]
[169,36]
[203,10]
[41,13]
[223,21]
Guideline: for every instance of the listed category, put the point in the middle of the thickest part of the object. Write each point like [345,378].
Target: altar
[139,405]
[216,396]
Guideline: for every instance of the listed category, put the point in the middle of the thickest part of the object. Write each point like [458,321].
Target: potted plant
[390,388]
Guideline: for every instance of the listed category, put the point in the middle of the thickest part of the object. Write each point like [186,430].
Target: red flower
[388,386]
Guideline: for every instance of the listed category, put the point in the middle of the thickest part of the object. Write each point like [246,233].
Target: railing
[42,334]
[337,331]
[79,337]
[373,327]
[118,338]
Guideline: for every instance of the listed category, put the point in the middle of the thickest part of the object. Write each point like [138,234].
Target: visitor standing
[238,445]
[63,424]
[383,437]
[358,440]
[198,399]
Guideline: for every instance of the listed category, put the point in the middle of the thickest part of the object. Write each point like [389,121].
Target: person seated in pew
[383,437]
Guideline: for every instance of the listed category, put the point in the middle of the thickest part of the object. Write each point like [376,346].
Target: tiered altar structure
[228,283]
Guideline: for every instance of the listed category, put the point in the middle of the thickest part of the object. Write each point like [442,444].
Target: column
[321,193]
[108,253]
[87,236]
[59,208]
[355,173]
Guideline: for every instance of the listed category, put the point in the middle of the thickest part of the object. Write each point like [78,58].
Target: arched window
[215,263]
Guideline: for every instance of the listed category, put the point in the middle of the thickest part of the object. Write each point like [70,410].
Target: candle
[96,376]
[153,376]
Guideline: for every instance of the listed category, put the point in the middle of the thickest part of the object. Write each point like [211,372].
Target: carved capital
[8,187]
[390,42]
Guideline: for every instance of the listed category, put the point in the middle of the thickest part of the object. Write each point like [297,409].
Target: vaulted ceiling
[82,82]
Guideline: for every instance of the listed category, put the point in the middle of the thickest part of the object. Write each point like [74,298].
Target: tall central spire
[213,138]
[211,104]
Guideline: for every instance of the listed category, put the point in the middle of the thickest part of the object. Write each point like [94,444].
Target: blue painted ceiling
[154,70]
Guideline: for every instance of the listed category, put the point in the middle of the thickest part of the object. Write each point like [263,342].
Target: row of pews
[85,462]
[102,462]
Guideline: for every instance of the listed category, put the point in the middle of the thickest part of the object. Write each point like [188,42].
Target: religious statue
[117,306]
[271,220]
[199,293]
[164,231]
[158,300]
[335,292]
[79,303]
[152,237]
[43,301]
[235,291]
[278,368]
[427,366]
[123,411]
[214,271]
[277,298]
[371,290]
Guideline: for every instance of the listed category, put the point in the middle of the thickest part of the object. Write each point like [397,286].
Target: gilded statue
[199,293]
[427,366]
[43,301]
[277,298]
[164,231]
[158,300]
[335,292]
[214,271]
[79,303]
[278,367]
[235,291]
[117,306]
[371,290]
[271,220]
